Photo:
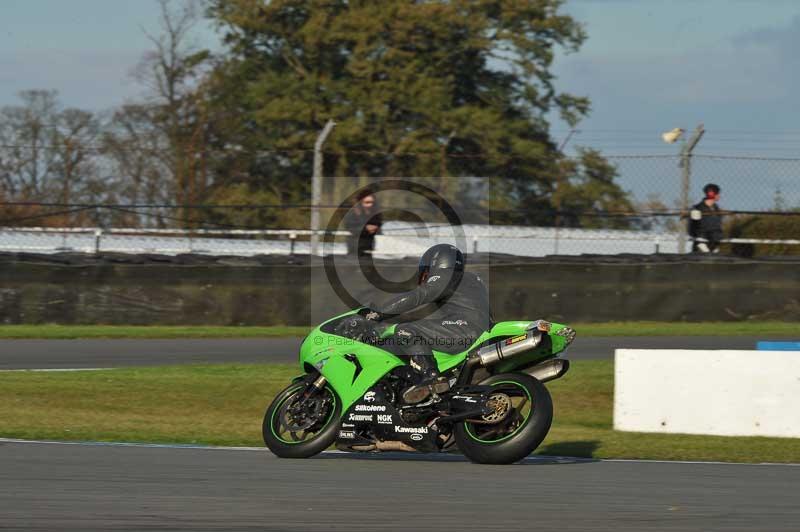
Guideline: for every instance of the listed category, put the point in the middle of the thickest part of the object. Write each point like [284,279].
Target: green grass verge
[69,332]
[644,328]
[224,404]
[762,329]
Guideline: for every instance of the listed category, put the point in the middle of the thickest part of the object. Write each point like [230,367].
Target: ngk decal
[385,419]
[359,417]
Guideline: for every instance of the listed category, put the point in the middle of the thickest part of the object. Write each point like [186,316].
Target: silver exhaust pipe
[493,353]
[548,370]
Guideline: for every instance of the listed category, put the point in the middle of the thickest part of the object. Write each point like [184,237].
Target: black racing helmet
[440,257]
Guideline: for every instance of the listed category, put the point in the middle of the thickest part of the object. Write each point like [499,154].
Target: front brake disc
[302,416]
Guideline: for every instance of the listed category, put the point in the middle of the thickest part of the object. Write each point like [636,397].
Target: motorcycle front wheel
[299,427]
[527,411]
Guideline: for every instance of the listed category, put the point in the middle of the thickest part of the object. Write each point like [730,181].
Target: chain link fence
[760,201]
[748,183]
[760,197]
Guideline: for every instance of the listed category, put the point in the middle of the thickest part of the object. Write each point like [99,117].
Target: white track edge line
[134,444]
[263,449]
[53,369]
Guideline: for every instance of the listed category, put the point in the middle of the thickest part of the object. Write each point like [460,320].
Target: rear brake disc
[500,405]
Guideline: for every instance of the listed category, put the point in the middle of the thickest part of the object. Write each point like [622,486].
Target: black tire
[326,428]
[523,437]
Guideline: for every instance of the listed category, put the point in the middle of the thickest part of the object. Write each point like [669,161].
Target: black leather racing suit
[460,312]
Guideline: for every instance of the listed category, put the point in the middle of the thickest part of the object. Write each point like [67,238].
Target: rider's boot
[430,381]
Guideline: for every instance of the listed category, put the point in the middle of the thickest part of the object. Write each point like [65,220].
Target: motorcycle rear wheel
[520,433]
[299,428]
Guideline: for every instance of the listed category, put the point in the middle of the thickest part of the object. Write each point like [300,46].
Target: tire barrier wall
[195,290]
[722,393]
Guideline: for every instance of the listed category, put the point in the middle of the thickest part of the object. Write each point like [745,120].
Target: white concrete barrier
[726,393]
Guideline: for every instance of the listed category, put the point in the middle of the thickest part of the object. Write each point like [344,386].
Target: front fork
[317,385]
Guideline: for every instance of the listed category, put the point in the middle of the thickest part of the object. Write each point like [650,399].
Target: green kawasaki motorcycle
[497,410]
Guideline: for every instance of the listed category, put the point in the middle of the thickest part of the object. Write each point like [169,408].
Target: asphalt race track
[40,354]
[88,487]
[28,354]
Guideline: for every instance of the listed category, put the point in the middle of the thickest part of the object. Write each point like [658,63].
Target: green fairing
[325,352]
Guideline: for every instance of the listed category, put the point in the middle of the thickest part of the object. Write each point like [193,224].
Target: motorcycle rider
[460,313]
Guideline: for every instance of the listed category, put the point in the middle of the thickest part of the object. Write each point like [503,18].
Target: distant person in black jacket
[363,222]
[705,222]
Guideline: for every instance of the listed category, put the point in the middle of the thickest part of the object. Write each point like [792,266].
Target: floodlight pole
[686,164]
[316,185]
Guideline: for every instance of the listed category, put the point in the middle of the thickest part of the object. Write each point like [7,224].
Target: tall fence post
[686,164]
[98,235]
[316,185]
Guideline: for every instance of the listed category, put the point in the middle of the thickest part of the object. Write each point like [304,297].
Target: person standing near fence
[705,222]
[363,222]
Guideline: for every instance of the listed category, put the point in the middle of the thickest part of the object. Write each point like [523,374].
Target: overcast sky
[648,66]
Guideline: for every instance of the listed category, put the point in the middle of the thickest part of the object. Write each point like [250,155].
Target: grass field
[69,332]
[645,328]
[223,405]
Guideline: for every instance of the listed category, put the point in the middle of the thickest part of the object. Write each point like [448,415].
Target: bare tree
[25,134]
[48,154]
[172,72]
[74,141]
[169,70]
[139,162]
